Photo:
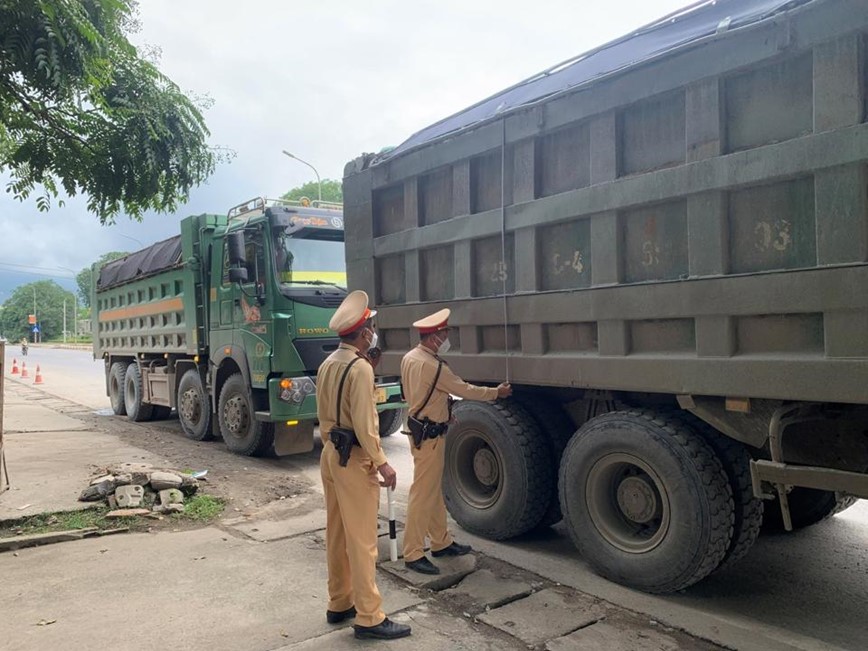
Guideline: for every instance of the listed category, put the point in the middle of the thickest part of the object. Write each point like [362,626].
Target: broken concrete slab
[452,570]
[547,614]
[171,496]
[606,637]
[129,496]
[162,480]
[486,589]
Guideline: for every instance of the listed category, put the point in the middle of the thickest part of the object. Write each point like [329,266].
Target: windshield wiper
[307,282]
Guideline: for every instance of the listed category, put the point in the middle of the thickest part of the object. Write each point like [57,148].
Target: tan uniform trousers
[352,496]
[426,510]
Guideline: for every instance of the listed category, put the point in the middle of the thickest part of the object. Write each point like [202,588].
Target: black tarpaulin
[157,257]
[674,31]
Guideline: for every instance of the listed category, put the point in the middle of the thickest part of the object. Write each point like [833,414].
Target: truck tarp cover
[676,30]
[157,257]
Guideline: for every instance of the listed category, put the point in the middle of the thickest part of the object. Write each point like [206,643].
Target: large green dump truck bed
[146,302]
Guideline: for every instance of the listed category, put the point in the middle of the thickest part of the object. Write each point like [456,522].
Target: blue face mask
[444,346]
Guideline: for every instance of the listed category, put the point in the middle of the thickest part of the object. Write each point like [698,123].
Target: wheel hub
[235,415]
[485,467]
[637,499]
[189,406]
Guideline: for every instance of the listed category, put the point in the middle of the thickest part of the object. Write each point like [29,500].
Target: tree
[48,298]
[82,111]
[84,278]
[331,191]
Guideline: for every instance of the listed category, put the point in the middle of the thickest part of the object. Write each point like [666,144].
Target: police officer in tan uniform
[428,383]
[352,491]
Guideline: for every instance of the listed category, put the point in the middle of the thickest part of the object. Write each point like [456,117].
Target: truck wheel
[558,427]
[807,506]
[117,373]
[645,500]
[498,475]
[241,431]
[748,512]
[194,407]
[137,411]
[391,421]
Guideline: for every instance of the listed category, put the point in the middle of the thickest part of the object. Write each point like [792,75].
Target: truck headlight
[296,389]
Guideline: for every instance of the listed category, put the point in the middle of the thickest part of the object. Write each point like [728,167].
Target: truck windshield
[310,257]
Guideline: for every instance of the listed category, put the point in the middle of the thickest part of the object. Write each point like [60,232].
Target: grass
[200,509]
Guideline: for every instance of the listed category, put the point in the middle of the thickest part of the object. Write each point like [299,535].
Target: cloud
[326,80]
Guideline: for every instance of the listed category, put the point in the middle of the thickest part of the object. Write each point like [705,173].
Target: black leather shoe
[337,616]
[385,630]
[423,566]
[453,550]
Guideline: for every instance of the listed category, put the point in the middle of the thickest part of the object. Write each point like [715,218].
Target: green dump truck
[228,322]
[663,244]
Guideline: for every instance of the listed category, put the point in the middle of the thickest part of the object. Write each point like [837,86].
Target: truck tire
[645,500]
[498,474]
[808,506]
[117,373]
[194,407]
[137,411]
[558,427]
[748,512]
[391,421]
[242,433]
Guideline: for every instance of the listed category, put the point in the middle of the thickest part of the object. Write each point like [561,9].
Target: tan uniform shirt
[359,403]
[418,369]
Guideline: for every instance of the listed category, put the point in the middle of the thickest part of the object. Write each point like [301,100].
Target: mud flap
[293,439]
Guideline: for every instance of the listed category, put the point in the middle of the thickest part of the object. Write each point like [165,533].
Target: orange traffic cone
[38,378]
[14,366]
[24,372]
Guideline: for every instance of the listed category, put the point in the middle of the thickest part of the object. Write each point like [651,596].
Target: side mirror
[237,274]
[236,244]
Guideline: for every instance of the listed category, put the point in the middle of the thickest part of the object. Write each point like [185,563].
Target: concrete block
[129,496]
[452,570]
[488,590]
[544,615]
[605,637]
[161,480]
[171,496]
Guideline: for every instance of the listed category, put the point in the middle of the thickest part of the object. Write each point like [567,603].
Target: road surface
[806,590]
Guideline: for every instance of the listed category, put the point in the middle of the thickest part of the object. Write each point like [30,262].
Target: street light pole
[318,181]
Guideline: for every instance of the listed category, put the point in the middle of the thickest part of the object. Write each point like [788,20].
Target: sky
[325,80]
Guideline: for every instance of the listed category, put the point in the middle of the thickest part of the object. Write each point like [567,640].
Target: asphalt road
[806,590]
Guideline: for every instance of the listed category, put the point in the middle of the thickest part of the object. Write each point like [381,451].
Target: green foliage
[201,507]
[84,277]
[331,191]
[49,297]
[82,112]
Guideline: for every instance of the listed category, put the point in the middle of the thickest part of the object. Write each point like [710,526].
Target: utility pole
[64,319]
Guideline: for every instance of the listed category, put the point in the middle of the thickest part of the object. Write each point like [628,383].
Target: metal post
[64,319]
